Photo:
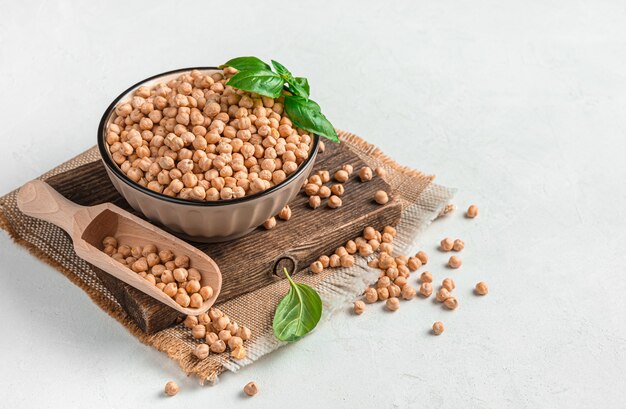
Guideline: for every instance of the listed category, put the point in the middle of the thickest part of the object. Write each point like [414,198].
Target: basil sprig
[297,313]
[256,76]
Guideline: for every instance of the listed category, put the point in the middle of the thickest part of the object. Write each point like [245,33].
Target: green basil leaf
[297,313]
[294,86]
[262,82]
[304,83]
[246,64]
[282,70]
[306,114]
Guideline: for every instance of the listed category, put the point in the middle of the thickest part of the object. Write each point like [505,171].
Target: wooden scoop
[88,226]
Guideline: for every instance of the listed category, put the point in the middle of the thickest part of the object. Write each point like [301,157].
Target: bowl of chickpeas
[206,161]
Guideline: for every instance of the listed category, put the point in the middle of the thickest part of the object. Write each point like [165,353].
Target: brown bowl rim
[106,158]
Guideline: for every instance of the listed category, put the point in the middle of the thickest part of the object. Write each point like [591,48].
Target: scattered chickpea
[392,304]
[426,289]
[448,284]
[408,292]
[198,331]
[426,277]
[454,262]
[325,260]
[342,176]
[472,211]
[324,192]
[481,288]
[365,174]
[442,295]
[337,189]
[423,257]
[381,197]
[285,213]
[346,260]
[383,293]
[238,353]
[458,245]
[315,202]
[359,307]
[414,263]
[371,295]
[317,267]
[451,303]
[251,389]
[171,388]
[438,328]
[201,351]
[380,172]
[218,346]
[334,202]
[270,223]
[447,244]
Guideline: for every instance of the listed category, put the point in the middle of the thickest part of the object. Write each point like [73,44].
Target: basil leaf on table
[263,82]
[294,85]
[246,64]
[297,313]
[306,114]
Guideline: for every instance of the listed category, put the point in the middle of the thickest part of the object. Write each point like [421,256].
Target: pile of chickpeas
[169,272]
[393,281]
[219,333]
[196,138]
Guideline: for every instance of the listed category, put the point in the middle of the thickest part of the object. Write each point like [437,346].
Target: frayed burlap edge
[336,287]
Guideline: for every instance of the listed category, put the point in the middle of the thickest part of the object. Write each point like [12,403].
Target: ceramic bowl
[221,220]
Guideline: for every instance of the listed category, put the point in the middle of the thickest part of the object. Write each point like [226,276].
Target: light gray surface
[521,105]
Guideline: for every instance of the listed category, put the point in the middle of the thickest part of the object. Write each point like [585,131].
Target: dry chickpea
[426,277]
[198,331]
[183,299]
[206,292]
[414,263]
[458,245]
[225,335]
[238,352]
[334,261]
[251,389]
[381,197]
[451,303]
[180,274]
[325,260]
[408,292]
[195,300]
[481,288]
[190,321]
[365,174]
[383,282]
[438,328]
[423,257]
[346,260]
[381,172]
[215,314]
[342,176]
[426,289]
[201,351]
[337,189]
[448,284]
[270,223]
[316,267]
[285,213]
[315,202]
[442,295]
[334,202]
[324,192]
[392,304]
[244,333]
[211,337]
[311,189]
[370,294]
[386,248]
[350,247]
[447,244]
[171,289]
[348,168]
[218,346]
[383,293]
[472,211]
[394,290]
[359,307]
[454,262]
[365,249]
[171,388]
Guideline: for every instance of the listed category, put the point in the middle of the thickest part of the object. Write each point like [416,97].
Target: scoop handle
[40,200]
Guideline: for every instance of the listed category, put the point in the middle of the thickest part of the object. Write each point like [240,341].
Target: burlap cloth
[422,201]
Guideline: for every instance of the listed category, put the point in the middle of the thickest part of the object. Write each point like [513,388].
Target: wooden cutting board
[253,261]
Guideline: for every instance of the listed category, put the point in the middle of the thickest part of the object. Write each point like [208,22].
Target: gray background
[518,104]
